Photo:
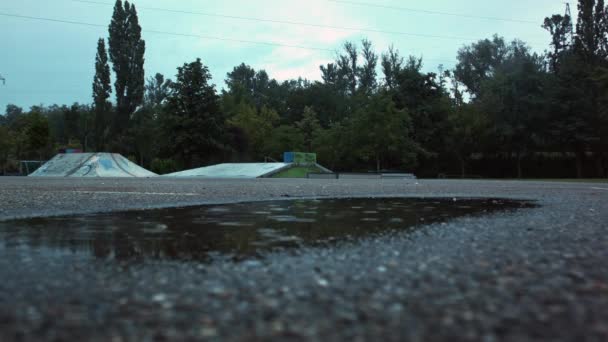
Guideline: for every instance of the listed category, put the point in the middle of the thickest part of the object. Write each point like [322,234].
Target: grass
[297,172]
[570,180]
[557,180]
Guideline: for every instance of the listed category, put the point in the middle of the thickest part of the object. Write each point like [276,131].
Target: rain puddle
[235,230]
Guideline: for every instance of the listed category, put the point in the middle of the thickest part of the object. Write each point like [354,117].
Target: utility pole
[3,80]
[569,15]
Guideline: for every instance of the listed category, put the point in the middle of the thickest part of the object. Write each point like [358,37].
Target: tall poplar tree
[127,55]
[101,94]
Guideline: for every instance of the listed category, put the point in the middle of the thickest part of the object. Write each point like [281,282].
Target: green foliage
[392,64]
[560,28]
[37,134]
[575,96]
[157,90]
[332,147]
[477,62]
[284,138]
[163,166]
[127,55]
[257,126]
[250,86]
[469,129]
[144,132]
[381,133]
[193,123]
[101,95]
[501,102]
[309,127]
[6,147]
[367,72]
[424,97]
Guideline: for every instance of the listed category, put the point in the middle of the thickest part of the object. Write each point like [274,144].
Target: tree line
[502,111]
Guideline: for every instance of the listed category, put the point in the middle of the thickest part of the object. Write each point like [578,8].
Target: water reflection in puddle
[237,230]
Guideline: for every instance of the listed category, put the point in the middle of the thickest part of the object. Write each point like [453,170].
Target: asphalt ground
[534,274]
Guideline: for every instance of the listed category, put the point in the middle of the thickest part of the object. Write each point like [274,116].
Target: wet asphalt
[529,275]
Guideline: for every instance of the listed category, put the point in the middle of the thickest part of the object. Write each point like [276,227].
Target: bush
[163,166]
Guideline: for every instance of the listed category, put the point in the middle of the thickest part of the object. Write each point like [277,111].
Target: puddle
[237,230]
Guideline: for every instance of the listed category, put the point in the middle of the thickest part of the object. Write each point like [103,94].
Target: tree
[157,90]
[101,95]
[576,120]
[309,127]
[71,118]
[367,72]
[382,134]
[587,28]
[332,146]
[145,134]
[86,125]
[37,134]
[6,146]
[422,95]
[392,64]
[253,87]
[193,121]
[127,55]
[602,162]
[243,77]
[283,138]
[560,28]
[13,113]
[468,130]
[591,47]
[515,99]
[329,74]
[257,126]
[477,62]
[348,69]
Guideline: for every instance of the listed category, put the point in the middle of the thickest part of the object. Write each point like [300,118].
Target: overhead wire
[72,22]
[285,22]
[301,23]
[423,11]
[191,35]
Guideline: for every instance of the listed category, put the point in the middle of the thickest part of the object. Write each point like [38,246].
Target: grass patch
[297,172]
[570,180]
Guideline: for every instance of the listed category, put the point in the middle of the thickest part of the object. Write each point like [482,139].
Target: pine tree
[101,94]
[127,55]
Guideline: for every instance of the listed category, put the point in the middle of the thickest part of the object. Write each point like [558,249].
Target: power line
[286,22]
[170,33]
[416,10]
[71,22]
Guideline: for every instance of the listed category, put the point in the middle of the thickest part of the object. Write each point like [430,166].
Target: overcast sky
[49,62]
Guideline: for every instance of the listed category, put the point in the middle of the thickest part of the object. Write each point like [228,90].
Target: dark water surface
[234,230]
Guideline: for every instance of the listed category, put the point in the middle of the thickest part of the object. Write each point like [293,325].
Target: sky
[48,63]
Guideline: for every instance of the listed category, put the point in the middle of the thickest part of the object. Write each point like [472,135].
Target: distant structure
[294,165]
[3,80]
[74,164]
[569,15]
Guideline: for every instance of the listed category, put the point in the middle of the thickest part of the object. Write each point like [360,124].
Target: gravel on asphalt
[533,274]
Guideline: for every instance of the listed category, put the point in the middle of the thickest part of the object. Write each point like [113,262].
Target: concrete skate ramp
[242,170]
[91,165]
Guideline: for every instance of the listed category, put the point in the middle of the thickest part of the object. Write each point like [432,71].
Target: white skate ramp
[91,165]
[242,170]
